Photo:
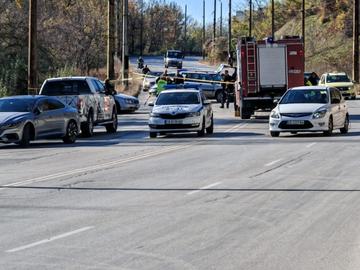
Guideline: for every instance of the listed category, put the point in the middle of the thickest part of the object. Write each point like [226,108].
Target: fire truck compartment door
[272,66]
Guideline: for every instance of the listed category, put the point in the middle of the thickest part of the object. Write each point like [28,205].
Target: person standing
[226,78]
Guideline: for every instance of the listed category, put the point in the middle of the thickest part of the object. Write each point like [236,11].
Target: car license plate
[173,122]
[295,122]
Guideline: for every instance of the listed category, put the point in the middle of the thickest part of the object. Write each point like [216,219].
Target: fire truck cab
[266,69]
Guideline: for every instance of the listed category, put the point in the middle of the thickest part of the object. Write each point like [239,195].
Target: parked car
[87,95]
[28,118]
[181,111]
[150,79]
[341,81]
[208,82]
[126,103]
[310,109]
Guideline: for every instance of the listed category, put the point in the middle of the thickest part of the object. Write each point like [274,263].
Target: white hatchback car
[181,110]
[310,109]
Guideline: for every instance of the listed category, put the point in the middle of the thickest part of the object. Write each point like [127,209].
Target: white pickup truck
[87,95]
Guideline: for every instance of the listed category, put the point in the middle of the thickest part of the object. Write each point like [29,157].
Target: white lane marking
[242,125]
[204,188]
[94,167]
[57,237]
[273,162]
[310,145]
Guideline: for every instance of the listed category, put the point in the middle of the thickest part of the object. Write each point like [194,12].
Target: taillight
[79,104]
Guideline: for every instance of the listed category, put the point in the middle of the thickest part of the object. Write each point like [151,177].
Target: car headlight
[154,114]
[275,114]
[194,114]
[11,125]
[129,101]
[319,114]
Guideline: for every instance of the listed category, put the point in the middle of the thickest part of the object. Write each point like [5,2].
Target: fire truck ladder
[251,66]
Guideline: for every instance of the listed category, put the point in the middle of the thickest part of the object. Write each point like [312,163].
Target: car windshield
[305,96]
[175,55]
[337,78]
[16,105]
[180,98]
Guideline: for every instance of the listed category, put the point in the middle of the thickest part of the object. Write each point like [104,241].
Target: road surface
[237,199]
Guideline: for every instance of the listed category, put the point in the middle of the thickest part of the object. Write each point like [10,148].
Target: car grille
[173,116]
[285,125]
[296,115]
[343,88]
[174,126]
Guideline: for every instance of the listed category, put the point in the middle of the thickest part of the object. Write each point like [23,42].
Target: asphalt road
[238,199]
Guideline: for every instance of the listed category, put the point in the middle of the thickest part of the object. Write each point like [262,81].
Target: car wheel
[210,129]
[274,133]
[26,136]
[345,129]
[71,133]
[111,128]
[330,128]
[153,134]
[87,129]
[218,96]
[201,132]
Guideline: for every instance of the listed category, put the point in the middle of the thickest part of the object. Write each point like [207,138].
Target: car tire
[218,96]
[153,135]
[87,129]
[26,136]
[330,127]
[201,132]
[71,132]
[112,128]
[210,129]
[274,133]
[345,129]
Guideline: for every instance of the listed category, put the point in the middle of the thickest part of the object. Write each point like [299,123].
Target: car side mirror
[335,101]
[276,101]
[151,104]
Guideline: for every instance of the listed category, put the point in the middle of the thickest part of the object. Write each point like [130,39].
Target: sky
[195,9]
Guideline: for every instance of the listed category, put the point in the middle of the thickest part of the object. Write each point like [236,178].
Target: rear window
[65,88]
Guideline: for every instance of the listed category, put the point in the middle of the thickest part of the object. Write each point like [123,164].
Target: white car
[181,110]
[310,109]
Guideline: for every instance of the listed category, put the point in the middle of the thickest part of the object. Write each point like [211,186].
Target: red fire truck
[266,69]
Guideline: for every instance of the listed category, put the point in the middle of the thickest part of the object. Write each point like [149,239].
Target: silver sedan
[27,118]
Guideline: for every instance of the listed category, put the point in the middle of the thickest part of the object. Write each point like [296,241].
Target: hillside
[327,48]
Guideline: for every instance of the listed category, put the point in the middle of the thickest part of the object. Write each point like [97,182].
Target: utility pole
[32,49]
[303,23]
[250,17]
[273,19]
[185,30]
[203,33]
[125,48]
[214,24]
[221,19]
[229,34]
[110,74]
[356,41]
[142,27]
[119,28]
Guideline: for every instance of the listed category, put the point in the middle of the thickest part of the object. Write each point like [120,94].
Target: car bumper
[10,135]
[190,124]
[301,124]
[348,94]
[130,107]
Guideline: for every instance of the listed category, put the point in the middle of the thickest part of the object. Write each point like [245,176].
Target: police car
[181,110]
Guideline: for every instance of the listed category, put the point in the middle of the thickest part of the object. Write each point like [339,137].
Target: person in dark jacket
[225,87]
[178,78]
[314,79]
[109,87]
[145,70]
